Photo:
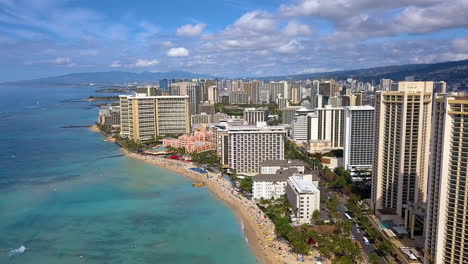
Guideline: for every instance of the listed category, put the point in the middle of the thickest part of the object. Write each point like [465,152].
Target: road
[368,249]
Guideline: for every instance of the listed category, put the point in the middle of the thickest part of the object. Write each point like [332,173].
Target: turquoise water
[70,198]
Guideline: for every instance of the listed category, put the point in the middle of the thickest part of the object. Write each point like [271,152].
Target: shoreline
[256,227]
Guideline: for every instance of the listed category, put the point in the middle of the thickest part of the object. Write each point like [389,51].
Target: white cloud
[294,28]
[145,63]
[61,60]
[190,30]
[342,9]
[168,44]
[115,64]
[419,20]
[178,52]
[257,21]
[292,46]
[460,44]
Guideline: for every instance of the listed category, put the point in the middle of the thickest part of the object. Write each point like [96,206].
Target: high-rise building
[254,115]
[282,102]
[440,87]
[359,141]
[238,98]
[300,124]
[109,116]
[276,89]
[202,118]
[145,117]
[288,114]
[385,85]
[212,94]
[164,84]
[191,89]
[327,124]
[243,148]
[446,227]
[401,152]
[206,108]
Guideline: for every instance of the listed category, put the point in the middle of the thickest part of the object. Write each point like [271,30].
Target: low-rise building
[304,196]
[273,166]
[271,186]
[199,141]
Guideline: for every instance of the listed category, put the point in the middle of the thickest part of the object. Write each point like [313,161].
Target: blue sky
[40,38]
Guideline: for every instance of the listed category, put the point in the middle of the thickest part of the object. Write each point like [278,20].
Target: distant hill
[113,77]
[452,71]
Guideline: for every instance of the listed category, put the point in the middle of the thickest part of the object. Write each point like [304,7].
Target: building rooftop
[282,163]
[280,176]
[302,185]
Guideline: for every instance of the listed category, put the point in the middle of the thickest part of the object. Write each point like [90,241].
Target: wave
[17,251]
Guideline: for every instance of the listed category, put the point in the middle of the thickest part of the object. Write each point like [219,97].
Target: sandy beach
[94,128]
[257,227]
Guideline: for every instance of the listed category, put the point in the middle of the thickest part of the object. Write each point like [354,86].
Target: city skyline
[226,38]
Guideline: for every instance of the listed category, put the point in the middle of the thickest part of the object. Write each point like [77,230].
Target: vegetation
[293,152]
[246,184]
[129,144]
[207,157]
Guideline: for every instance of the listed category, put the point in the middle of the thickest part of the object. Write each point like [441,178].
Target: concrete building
[401,152]
[109,116]
[327,124]
[191,89]
[238,98]
[206,108]
[275,89]
[282,102]
[245,147]
[359,141]
[254,115]
[202,118]
[300,124]
[212,94]
[271,186]
[304,196]
[144,117]
[288,114]
[386,85]
[273,166]
[446,227]
[264,96]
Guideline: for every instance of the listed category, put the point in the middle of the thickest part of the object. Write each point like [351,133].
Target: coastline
[256,227]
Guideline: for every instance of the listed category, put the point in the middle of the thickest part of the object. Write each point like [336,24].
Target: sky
[229,38]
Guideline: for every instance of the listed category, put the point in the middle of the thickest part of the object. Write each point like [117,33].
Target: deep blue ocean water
[66,197]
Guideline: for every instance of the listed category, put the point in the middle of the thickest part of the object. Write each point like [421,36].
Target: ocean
[69,197]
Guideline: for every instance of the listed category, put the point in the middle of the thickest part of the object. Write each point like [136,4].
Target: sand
[257,228]
[95,128]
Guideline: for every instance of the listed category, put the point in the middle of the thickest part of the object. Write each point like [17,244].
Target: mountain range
[451,72]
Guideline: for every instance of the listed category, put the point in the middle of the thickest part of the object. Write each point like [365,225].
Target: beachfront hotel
[446,229]
[401,153]
[272,180]
[358,141]
[243,148]
[304,196]
[144,117]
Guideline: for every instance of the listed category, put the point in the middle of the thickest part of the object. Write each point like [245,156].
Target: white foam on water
[17,251]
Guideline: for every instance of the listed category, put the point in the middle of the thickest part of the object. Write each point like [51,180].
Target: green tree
[385,247]
[316,219]
[246,184]
[374,259]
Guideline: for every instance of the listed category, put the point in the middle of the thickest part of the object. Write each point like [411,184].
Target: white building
[273,166]
[300,124]
[254,115]
[359,141]
[271,186]
[304,196]
[245,147]
[288,114]
[327,124]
